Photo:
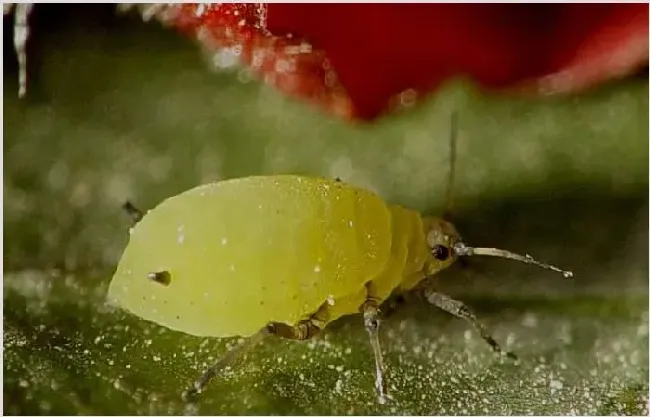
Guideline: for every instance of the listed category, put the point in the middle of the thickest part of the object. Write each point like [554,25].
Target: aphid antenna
[451,175]
[463,250]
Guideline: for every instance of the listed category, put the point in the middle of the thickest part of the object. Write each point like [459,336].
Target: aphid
[285,255]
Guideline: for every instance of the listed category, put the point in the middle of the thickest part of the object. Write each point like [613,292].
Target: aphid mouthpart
[161,277]
[463,250]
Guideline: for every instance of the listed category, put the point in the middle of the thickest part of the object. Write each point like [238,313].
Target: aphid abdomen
[400,262]
[383,284]
[351,303]
[245,252]
[418,255]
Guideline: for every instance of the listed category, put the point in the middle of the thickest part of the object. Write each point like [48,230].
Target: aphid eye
[440,252]
[161,277]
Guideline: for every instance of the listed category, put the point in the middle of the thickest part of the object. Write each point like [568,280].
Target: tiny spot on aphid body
[224,241]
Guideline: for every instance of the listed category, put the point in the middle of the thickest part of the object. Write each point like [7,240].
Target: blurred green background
[118,109]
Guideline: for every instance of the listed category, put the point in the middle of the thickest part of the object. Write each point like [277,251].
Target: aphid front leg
[460,310]
[226,360]
[370,311]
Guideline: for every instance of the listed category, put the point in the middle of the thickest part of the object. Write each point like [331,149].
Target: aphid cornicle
[284,255]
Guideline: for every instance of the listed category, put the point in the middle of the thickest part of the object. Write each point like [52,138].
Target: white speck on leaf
[556,384]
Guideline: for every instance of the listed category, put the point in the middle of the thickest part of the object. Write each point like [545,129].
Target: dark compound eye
[440,252]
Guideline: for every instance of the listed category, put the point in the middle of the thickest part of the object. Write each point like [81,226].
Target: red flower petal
[353,59]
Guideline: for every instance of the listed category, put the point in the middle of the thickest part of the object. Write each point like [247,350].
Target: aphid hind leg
[370,311]
[460,310]
[226,360]
[304,330]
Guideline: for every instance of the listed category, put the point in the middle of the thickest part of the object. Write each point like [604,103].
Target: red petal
[360,56]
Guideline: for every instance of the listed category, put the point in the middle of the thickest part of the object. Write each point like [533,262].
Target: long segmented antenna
[463,250]
[453,136]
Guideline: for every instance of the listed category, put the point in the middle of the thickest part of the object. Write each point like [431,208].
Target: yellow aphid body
[285,255]
[245,252]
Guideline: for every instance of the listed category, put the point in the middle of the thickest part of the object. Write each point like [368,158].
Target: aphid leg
[226,360]
[304,330]
[135,214]
[370,311]
[460,310]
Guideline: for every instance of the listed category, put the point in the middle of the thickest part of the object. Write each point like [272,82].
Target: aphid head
[446,245]
[441,238]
